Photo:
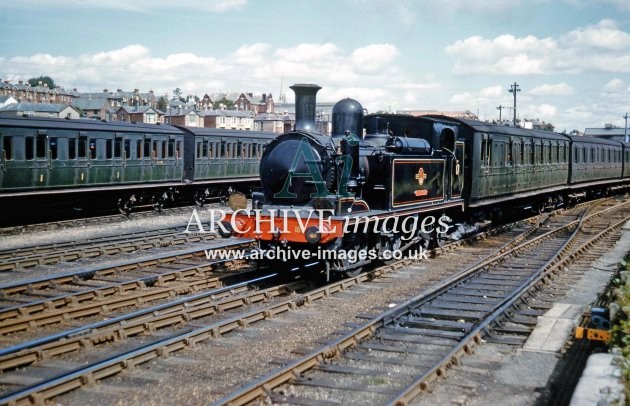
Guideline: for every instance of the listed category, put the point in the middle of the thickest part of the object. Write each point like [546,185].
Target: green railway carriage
[595,159]
[626,160]
[40,154]
[227,155]
[511,162]
[87,163]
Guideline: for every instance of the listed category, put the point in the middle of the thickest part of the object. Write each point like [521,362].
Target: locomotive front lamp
[312,235]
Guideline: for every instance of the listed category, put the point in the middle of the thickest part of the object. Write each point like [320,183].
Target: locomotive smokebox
[305,106]
[347,116]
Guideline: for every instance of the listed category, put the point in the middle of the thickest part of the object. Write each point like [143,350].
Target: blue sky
[571,58]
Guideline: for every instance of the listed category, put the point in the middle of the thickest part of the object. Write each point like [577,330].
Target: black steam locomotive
[383,182]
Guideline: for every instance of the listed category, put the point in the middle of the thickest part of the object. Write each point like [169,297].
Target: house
[536,125]
[39,110]
[228,119]
[183,116]
[23,92]
[98,108]
[257,104]
[274,122]
[143,114]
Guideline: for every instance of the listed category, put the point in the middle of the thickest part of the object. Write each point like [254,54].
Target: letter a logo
[306,153]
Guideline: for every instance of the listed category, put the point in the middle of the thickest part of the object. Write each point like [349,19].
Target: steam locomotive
[386,182]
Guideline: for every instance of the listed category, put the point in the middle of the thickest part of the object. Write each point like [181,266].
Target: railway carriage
[41,154]
[595,159]
[625,157]
[76,163]
[228,157]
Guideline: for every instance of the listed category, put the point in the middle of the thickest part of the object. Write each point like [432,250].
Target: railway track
[379,361]
[47,254]
[91,221]
[160,319]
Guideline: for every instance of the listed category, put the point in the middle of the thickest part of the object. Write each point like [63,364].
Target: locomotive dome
[347,116]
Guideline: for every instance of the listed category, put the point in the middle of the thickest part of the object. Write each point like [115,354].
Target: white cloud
[600,47]
[559,89]
[252,67]
[616,85]
[373,57]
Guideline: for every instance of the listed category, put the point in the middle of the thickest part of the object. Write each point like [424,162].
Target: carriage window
[171,148]
[178,149]
[222,149]
[28,146]
[92,149]
[82,146]
[127,149]
[139,149]
[577,156]
[41,146]
[108,149]
[163,151]
[154,150]
[7,148]
[204,149]
[72,148]
[592,154]
[211,150]
[117,147]
[609,156]
[564,149]
[147,149]
[53,148]
[509,151]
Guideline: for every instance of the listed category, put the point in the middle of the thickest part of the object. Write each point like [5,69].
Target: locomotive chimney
[305,106]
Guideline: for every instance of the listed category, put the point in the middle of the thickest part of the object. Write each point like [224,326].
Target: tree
[44,79]
[162,103]
[228,104]
[177,95]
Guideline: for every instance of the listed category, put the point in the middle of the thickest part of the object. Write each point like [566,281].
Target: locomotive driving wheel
[349,259]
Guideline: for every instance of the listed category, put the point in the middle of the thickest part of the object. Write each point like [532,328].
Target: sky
[570,58]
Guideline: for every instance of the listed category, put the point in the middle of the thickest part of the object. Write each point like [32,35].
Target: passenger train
[401,169]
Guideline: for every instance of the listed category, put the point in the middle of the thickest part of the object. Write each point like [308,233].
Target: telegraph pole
[625,128]
[514,89]
[500,108]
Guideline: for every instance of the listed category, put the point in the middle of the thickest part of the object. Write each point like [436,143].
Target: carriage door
[458,170]
[41,163]
[118,161]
